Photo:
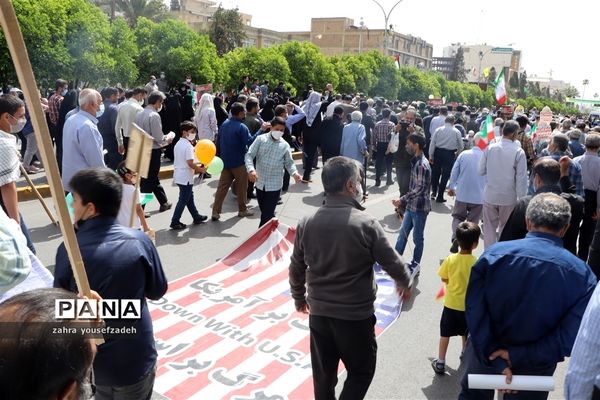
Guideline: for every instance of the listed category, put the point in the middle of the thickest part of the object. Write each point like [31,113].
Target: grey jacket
[332,264]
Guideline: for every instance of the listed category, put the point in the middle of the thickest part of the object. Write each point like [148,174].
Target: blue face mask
[64,92]
[100,111]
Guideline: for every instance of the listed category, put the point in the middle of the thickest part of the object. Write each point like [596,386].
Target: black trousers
[353,342]
[126,144]
[383,163]
[588,225]
[267,201]
[475,367]
[152,183]
[403,177]
[443,160]
[286,181]
[310,145]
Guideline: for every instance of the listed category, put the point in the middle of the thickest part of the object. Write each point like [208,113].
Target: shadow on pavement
[208,229]
[45,233]
[445,386]
[407,306]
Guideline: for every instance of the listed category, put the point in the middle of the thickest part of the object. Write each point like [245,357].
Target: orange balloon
[205,151]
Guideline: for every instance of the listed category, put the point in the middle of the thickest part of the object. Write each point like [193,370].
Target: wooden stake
[38,195]
[139,152]
[20,58]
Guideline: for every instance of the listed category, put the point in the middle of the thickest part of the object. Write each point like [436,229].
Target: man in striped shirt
[415,205]
[382,133]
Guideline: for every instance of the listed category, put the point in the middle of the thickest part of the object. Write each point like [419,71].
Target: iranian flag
[500,89]
[486,133]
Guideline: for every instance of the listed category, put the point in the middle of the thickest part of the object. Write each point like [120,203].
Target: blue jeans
[186,198]
[417,221]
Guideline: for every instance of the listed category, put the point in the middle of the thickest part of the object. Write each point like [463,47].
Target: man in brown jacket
[333,258]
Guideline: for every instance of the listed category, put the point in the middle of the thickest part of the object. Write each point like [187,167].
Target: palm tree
[133,9]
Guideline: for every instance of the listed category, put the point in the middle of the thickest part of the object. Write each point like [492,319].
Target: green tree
[265,63]
[523,85]
[124,52]
[346,82]
[155,10]
[308,66]
[387,79]
[458,67]
[171,46]
[226,30]
[493,75]
[513,81]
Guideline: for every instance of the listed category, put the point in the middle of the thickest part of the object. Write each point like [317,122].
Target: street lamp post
[481,54]
[386,17]
[585,83]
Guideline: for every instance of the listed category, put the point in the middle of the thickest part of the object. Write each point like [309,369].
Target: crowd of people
[533,197]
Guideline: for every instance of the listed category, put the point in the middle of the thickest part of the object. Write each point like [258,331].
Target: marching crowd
[525,304]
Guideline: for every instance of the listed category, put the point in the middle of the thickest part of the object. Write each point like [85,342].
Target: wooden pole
[20,58]
[38,195]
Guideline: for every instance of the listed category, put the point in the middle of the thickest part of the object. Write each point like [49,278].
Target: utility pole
[386,17]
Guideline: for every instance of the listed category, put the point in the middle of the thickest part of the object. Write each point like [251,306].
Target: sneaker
[246,213]
[164,207]
[415,269]
[438,367]
[178,226]
[147,215]
[215,217]
[279,202]
[440,200]
[377,183]
[200,219]
[433,195]
[32,170]
[454,247]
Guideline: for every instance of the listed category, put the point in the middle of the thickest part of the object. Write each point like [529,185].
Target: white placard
[519,382]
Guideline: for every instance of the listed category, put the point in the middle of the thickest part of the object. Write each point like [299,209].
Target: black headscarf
[219,111]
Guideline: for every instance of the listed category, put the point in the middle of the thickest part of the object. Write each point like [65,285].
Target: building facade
[478,58]
[197,14]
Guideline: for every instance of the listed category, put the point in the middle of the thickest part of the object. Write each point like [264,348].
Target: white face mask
[191,136]
[276,134]
[100,111]
[159,108]
[359,193]
[18,127]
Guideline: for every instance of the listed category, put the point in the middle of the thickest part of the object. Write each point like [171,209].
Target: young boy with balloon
[185,167]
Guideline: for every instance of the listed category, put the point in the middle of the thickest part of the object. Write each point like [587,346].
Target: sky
[548,38]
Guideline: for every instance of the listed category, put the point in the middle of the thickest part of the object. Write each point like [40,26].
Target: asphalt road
[405,349]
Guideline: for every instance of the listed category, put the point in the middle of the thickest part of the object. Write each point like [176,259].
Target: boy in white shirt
[183,175]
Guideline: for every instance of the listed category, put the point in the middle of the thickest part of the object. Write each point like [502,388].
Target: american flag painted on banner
[230,331]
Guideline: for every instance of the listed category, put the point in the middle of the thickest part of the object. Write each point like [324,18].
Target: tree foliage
[226,30]
[155,10]
[172,47]
[458,67]
[265,63]
[308,66]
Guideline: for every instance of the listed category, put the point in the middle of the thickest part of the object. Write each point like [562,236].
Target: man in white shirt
[126,116]
[331,107]
[439,120]
[505,166]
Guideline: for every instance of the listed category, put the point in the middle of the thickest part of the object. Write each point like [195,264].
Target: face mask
[410,150]
[162,77]
[153,81]
[359,193]
[100,111]
[191,136]
[276,134]
[159,108]
[140,102]
[188,81]
[64,92]
[18,127]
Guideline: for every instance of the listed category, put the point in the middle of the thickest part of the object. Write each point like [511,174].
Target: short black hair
[561,141]
[548,169]
[467,234]
[10,104]
[251,104]
[277,121]
[155,97]
[444,110]
[60,83]
[280,110]
[523,121]
[339,110]
[417,138]
[108,92]
[139,90]
[364,106]
[337,171]
[187,126]
[510,127]
[385,113]
[35,363]
[237,108]
[128,94]
[100,186]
